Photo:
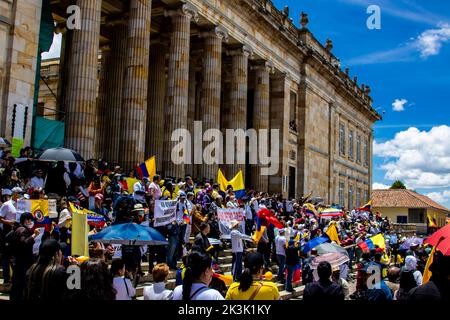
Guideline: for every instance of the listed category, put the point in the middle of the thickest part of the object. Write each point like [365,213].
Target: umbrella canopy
[441,240]
[129,234]
[4,142]
[327,247]
[60,154]
[311,244]
[411,242]
[335,259]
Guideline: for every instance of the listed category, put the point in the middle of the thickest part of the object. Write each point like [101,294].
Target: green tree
[398,185]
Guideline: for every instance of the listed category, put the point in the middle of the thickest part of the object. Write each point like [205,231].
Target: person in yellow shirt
[251,287]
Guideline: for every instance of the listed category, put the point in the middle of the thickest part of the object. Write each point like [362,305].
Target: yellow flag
[427,273]
[223,182]
[151,167]
[258,234]
[333,234]
[130,184]
[80,230]
[379,241]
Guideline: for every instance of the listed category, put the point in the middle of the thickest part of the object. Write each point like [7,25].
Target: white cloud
[430,42]
[440,197]
[399,105]
[380,186]
[55,49]
[419,158]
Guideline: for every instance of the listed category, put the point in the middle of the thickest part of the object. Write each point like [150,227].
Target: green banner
[48,134]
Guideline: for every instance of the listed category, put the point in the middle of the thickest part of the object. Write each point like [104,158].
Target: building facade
[229,64]
[410,207]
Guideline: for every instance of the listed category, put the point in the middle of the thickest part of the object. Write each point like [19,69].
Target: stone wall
[20,64]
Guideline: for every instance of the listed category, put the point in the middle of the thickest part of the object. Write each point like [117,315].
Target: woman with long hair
[46,279]
[251,286]
[197,277]
[96,282]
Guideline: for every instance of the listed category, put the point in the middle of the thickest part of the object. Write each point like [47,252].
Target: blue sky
[407,65]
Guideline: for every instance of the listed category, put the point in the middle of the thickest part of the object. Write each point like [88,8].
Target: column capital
[243,50]
[266,66]
[219,32]
[186,10]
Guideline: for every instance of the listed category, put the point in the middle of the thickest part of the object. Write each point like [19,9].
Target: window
[366,152]
[416,215]
[341,139]
[350,144]
[366,196]
[402,219]
[358,197]
[350,197]
[358,148]
[293,116]
[341,193]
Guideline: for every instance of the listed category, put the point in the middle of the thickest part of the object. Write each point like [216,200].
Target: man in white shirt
[8,217]
[237,249]
[139,192]
[280,248]
[37,181]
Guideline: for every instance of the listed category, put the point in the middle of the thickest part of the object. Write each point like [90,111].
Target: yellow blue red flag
[237,183]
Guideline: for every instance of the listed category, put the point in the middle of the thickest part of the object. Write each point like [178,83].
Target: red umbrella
[441,240]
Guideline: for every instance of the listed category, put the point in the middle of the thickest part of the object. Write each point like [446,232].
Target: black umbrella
[60,154]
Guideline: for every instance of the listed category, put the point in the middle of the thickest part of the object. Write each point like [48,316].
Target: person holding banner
[237,249]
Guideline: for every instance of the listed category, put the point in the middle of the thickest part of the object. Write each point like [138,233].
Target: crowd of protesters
[102,188]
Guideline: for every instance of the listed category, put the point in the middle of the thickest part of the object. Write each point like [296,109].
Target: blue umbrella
[129,234]
[311,244]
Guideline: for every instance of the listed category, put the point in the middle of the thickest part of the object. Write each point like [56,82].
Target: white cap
[17,190]
[6,192]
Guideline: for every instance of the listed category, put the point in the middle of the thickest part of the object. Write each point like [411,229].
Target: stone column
[261,118]
[237,118]
[189,168]
[177,83]
[134,110]
[82,80]
[102,100]
[211,92]
[155,110]
[113,101]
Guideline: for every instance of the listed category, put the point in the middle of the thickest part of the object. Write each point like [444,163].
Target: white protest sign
[165,212]
[38,240]
[117,251]
[225,216]
[52,209]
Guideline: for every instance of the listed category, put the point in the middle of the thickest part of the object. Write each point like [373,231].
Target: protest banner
[225,216]
[165,212]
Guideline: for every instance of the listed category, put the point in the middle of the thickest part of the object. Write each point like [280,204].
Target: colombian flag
[332,233]
[186,216]
[310,209]
[431,222]
[366,207]
[147,169]
[370,243]
[237,183]
[39,210]
[331,212]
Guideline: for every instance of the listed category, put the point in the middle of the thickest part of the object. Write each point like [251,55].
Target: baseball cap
[17,190]
[6,192]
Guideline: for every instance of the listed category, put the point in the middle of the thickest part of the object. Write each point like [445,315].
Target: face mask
[30,225]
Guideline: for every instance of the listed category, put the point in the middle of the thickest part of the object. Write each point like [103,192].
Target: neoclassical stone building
[137,70]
